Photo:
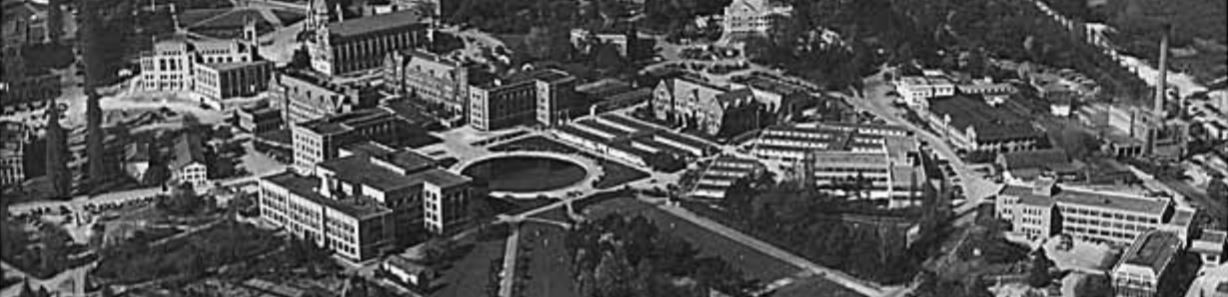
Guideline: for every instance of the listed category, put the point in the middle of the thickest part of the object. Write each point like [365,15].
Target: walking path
[507,280]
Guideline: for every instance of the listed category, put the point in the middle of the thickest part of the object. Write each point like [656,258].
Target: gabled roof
[188,150]
[375,23]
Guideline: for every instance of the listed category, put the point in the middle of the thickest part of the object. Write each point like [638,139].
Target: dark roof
[188,150]
[774,85]
[1047,159]
[630,123]
[282,136]
[989,122]
[341,123]
[414,169]
[407,111]
[1154,249]
[304,186]
[369,148]
[361,170]
[632,95]
[375,23]
[734,95]
[234,65]
[603,88]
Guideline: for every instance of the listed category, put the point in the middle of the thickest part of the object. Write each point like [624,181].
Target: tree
[1039,275]
[1216,188]
[182,201]
[548,43]
[606,57]
[436,250]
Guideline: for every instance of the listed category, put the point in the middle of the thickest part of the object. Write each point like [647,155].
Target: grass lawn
[469,276]
[752,263]
[546,273]
[616,174]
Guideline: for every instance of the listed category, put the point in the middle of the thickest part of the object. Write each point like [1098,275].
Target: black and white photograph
[614,148]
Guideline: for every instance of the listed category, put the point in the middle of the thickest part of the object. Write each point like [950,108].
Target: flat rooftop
[990,123]
[376,23]
[304,186]
[340,123]
[1154,250]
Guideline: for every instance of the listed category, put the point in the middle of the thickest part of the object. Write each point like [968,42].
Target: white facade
[915,90]
[195,174]
[753,16]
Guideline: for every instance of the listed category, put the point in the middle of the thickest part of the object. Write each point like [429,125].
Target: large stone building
[318,140]
[367,201]
[1140,271]
[14,138]
[354,45]
[1044,209]
[212,69]
[304,95]
[427,76]
[544,96]
[744,17]
[712,109]
[881,163]
[974,126]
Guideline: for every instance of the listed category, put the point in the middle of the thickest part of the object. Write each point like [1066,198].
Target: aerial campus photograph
[614,148]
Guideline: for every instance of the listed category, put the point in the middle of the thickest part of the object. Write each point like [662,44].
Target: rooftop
[375,23]
[1154,250]
[414,168]
[188,150]
[220,67]
[990,123]
[774,85]
[304,186]
[1211,241]
[1088,197]
[1046,159]
[345,122]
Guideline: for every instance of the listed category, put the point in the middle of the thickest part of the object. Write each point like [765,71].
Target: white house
[753,16]
[188,165]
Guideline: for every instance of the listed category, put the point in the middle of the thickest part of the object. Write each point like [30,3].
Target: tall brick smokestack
[1162,80]
[95,70]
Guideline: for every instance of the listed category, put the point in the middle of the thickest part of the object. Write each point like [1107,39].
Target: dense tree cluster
[617,256]
[225,243]
[820,227]
[674,15]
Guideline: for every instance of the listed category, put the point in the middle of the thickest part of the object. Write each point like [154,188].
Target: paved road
[507,280]
[78,203]
[875,100]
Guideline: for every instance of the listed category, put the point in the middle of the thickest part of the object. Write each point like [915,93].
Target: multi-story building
[1028,166]
[304,95]
[712,109]
[219,81]
[917,90]
[213,69]
[1210,246]
[1043,209]
[556,96]
[28,90]
[424,75]
[975,127]
[318,140]
[784,98]
[753,16]
[1142,266]
[367,201]
[25,22]
[187,164]
[13,138]
[870,161]
[259,119]
[349,46]
[546,96]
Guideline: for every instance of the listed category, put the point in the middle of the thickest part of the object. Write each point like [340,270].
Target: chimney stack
[1162,82]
